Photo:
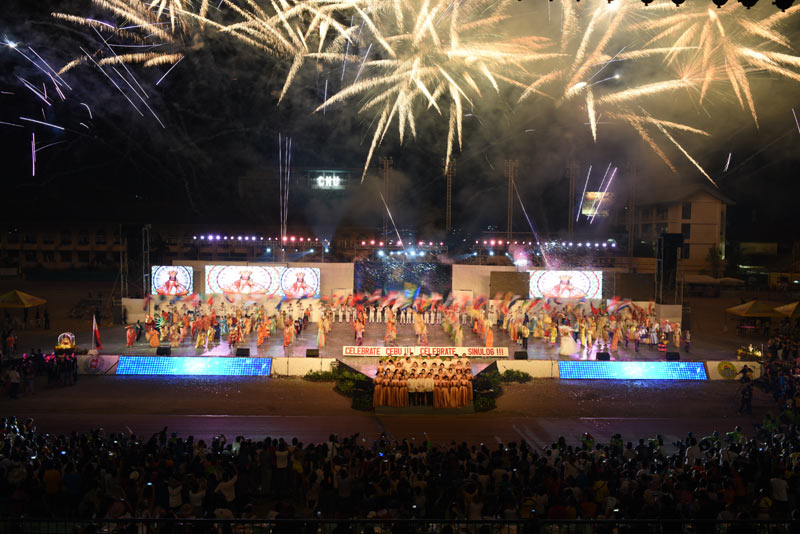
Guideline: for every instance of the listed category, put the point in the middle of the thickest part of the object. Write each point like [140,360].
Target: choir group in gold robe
[441,383]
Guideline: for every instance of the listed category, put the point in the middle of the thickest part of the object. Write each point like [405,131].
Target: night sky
[222,121]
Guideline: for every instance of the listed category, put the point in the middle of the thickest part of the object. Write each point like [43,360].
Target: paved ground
[538,412]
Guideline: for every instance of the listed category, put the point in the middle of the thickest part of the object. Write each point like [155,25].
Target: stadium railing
[395,526]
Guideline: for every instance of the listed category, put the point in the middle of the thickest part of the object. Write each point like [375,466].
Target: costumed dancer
[223,328]
[359,333]
[582,332]
[423,338]
[321,337]
[130,335]
[174,335]
[262,334]
[201,340]
[616,338]
[288,334]
[153,338]
[458,338]
[391,333]
[568,346]
[184,333]
[418,327]
[211,333]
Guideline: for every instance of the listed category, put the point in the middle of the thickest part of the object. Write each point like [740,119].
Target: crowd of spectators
[19,376]
[98,475]
[781,380]
[784,345]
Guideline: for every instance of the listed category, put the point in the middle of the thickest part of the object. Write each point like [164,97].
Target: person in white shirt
[428,386]
[227,488]
[693,453]
[780,495]
[411,383]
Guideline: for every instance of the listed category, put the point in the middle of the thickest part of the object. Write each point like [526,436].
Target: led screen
[397,275]
[299,282]
[567,284]
[255,280]
[590,369]
[193,366]
[243,279]
[596,203]
[171,280]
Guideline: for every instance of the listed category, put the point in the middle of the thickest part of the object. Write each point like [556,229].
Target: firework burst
[725,44]
[433,56]
[441,57]
[139,23]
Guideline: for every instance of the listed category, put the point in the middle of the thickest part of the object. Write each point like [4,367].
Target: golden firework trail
[443,57]
[138,22]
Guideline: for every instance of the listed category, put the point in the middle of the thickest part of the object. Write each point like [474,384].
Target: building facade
[697,212]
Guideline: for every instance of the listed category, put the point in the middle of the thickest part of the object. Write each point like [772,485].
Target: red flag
[96,334]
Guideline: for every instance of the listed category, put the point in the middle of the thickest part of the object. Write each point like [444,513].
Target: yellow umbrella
[754,308]
[18,299]
[790,310]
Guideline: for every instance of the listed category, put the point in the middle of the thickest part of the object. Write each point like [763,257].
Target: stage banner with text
[476,352]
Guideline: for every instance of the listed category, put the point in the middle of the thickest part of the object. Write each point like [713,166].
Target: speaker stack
[603,356]
[520,355]
[673,356]
[164,351]
[312,353]
[243,352]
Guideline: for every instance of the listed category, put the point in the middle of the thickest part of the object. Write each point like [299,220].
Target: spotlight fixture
[678,2]
[748,3]
[720,3]
[647,2]
[783,5]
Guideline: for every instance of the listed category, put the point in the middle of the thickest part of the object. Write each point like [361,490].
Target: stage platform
[543,360]
[341,335]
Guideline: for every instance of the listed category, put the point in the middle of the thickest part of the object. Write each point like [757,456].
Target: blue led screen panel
[193,366]
[590,369]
